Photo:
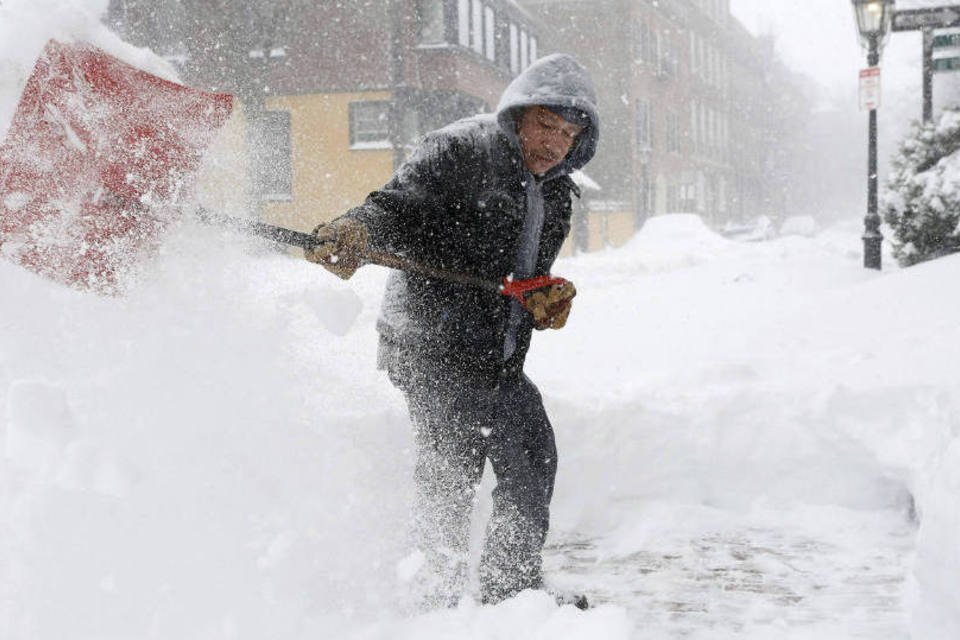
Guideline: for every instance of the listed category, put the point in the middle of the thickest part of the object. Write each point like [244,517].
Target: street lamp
[873,23]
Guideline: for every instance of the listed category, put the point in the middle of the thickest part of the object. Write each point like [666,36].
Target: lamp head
[873,20]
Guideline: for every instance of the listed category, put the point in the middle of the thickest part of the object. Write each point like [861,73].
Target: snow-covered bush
[922,202]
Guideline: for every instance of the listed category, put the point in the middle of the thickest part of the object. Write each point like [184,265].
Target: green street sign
[946,64]
[947,40]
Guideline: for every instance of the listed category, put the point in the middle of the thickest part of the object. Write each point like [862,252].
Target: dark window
[673,132]
[642,43]
[649,45]
[644,124]
[273,151]
[432,23]
[479,25]
[370,124]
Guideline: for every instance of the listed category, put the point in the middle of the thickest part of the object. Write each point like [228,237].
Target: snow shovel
[98,157]
[517,289]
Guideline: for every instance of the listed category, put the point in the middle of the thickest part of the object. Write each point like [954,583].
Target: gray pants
[460,420]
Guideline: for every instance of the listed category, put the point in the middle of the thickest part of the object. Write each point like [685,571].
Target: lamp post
[873,23]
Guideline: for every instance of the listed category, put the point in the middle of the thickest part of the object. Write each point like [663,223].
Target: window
[489,26]
[702,128]
[712,130]
[681,198]
[645,197]
[659,55]
[639,41]
[693,53]
[688,198]
[476,24]
[694,133]
[463,22]
[712,65]
[726,133]
[673,198]
[370,125]
[524,50]
[477,27]
[649,45]
[273,155]
[430,14]
[673,132]
[644,128]
[666,59]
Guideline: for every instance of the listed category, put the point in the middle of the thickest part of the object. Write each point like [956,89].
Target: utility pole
[927,74]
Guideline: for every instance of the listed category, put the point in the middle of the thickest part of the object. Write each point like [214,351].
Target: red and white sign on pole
[870,88]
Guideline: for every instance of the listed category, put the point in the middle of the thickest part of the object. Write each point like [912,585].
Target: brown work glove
[550,306]
[339,246]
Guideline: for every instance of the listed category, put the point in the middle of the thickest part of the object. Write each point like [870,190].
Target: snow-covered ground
[757,440]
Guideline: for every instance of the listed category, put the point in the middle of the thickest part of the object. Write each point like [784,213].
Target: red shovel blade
[98,156]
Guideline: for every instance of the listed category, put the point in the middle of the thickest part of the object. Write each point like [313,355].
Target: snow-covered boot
[578,600]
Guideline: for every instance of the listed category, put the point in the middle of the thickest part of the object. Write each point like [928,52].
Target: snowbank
[675,240]
[215,456]
[767,376]
[195,456]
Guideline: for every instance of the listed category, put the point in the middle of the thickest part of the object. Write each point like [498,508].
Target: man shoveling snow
[489,197]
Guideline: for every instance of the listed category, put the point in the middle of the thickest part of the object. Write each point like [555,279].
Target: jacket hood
[556,80]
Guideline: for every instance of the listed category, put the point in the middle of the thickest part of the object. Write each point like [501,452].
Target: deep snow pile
[215,456]
[776,377]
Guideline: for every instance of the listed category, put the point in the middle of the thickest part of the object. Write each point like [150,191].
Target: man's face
[545,138]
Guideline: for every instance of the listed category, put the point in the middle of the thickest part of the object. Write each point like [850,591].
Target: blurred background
[741,111]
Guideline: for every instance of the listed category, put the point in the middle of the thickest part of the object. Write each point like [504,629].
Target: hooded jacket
[459,203]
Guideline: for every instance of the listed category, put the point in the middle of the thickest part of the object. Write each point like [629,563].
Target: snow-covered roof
[584,181]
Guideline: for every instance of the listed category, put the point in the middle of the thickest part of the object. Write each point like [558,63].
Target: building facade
[335,95]
[698,115]
[696,112]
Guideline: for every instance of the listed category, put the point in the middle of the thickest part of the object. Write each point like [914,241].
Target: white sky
[817,37]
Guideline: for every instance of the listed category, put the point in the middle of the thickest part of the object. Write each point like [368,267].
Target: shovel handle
[307,241]
[257,228]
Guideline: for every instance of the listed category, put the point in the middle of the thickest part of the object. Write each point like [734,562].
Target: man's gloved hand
[550,306]
[339,246]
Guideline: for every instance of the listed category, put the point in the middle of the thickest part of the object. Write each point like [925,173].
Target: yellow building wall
[595,225]
[328,176]
[608,229]
[619,228]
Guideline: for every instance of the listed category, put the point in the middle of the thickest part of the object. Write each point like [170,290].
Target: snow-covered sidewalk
[699,573]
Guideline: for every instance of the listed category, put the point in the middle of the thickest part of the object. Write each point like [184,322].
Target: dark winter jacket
[459,203]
